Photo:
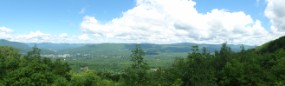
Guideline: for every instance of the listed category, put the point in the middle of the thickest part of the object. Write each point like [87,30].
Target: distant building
[64,55]
[84,68]
[57,56]
[153,69]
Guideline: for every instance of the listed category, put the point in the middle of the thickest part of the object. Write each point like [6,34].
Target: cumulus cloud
[172,21]
[276,14]
[38,37]
[5,33]
[169,21]
[84,37]
[5,30]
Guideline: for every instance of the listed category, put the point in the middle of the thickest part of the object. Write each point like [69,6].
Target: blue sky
[57,16]
[253,7]
[94,20]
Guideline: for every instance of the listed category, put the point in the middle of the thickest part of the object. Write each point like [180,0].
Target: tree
[137,58]
[9,59]
[198,71]
[137,73]
[31,69]
[34,54]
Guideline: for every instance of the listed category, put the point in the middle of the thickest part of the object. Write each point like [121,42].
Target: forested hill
[55,46]
[223,68]
[23,47]
[113,48]
[272,46]
[150,49]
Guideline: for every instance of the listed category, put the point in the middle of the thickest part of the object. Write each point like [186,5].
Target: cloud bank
[276,14]
[171,21]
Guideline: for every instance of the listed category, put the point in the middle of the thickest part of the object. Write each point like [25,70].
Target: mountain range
[113,48]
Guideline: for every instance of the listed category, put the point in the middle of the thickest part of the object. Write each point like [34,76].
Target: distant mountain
[55,46]
[109,49]
[21,46]
[272,46]
[113,49]
[98,50]
[186,47]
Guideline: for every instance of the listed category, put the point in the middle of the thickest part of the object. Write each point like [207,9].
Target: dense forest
[263,66]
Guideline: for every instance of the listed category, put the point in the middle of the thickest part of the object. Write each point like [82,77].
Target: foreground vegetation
[199,68]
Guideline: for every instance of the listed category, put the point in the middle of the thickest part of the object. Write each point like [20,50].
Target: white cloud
[5,30]
[84,37]
[171,21]
[276,14]
[63,35]
[38,37]
[5,33]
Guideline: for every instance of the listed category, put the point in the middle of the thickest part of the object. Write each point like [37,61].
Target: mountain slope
[272,46]
[111,49]
[55,46]
[21,46]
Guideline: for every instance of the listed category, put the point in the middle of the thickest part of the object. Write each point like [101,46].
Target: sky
[250,22]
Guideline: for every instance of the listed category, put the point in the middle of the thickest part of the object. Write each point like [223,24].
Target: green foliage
[195,70]
[34,70]
[137,58]
[272,46]
[137,73]
[28,70]
[21,46]
[90,78]
[200,68]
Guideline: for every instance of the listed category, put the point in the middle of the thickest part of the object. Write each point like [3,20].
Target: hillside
[24,47]
[108,49]
[55,46]
[272,46]
[112,49]
[21,46]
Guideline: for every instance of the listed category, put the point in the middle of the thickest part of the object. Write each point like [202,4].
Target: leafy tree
[8,61]
[137,73]
[31,69]
[34,54]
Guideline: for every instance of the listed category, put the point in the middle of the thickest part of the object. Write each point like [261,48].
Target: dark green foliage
[23,47]
[195,69]
[30,69]
[227,68]
[34,70]
[273,46]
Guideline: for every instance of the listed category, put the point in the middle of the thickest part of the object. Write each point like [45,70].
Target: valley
[114,57]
